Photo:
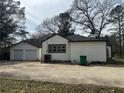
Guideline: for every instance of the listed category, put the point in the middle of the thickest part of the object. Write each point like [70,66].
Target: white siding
[56,56]
[109,51]
[95,51]
[25,46]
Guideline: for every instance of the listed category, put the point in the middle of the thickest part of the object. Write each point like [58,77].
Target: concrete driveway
[109,75]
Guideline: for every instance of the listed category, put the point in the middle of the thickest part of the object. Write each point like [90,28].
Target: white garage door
[30,54]
[18,54]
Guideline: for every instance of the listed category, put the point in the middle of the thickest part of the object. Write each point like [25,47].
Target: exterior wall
[24,46]
[95,51]
[56,56]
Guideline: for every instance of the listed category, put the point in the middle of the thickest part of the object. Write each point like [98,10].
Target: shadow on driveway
[15,62]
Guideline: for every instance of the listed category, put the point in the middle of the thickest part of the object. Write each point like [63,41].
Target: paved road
[102,75]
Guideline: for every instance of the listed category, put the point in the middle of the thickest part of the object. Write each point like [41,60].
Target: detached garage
[28,50]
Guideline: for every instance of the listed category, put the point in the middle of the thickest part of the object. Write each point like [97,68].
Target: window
[56,48]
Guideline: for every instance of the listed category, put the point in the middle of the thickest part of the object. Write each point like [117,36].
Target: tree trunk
[123,41]
[120,42]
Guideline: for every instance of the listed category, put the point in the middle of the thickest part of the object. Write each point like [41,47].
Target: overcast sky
[38,10]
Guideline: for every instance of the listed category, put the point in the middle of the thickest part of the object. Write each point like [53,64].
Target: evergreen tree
[12,21]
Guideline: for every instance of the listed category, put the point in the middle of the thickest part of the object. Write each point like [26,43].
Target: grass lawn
[19,86]
[119,59]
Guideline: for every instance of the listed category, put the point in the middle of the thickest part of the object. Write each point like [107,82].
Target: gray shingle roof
[79,38]
[76,37]
[34,42]
[71,38]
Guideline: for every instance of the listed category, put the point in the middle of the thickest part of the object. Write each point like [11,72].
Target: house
[71,47]
[27,50]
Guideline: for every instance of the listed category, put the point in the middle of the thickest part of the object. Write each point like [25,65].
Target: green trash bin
[83,60]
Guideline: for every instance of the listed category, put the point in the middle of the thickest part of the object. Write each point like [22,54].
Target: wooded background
[94,18]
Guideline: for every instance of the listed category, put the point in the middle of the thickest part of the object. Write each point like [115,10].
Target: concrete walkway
[109,75]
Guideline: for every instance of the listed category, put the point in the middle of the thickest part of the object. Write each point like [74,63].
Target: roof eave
[89,41]
[55,35]
[25,42]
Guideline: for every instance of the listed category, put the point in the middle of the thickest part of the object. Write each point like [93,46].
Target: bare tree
[65,24]
[117,19]
[92,14]
[59,24]
[50,25]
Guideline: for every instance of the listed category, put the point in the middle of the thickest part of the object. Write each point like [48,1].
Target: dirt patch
[73,74]
[5,74]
